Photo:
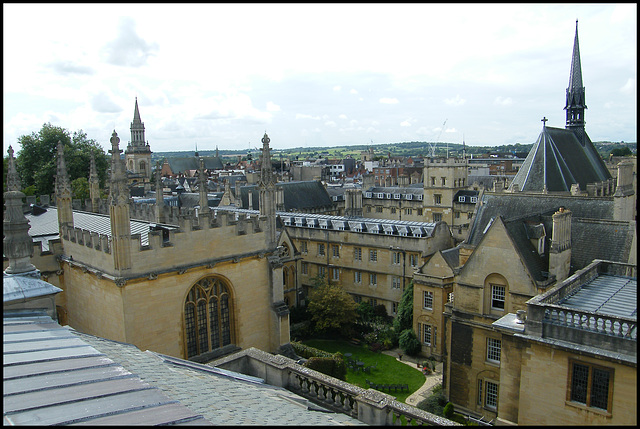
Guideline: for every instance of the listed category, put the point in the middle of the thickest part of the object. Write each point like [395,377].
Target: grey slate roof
[180,165]
[44,227]
[220,396]
[557,160]
[298,196]
[51,377]
[513,205]
[593,234]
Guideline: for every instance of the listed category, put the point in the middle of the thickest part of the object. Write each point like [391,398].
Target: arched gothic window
[207,317]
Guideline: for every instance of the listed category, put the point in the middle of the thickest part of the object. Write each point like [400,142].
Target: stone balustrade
[367,405]
[602,324]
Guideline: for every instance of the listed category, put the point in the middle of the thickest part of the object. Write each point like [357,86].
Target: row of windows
[396,281]
[396,257]
[443,181]
[393,210]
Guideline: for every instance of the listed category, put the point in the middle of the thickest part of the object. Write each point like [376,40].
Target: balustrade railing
[602,324]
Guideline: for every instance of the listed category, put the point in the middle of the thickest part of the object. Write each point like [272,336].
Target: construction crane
[432,146]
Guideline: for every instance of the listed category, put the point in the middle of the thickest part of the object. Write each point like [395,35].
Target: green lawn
[388,371]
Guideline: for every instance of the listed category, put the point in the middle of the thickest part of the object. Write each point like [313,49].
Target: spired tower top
[137,143]
[575,101]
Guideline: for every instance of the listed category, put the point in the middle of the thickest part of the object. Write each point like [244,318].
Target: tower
[119,209]
[575,103]
[202,188]
[138,153]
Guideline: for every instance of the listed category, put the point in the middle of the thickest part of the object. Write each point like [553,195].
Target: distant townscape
[179,287]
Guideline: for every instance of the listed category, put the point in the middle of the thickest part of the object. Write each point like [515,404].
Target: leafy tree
[404,318]
[36,162]
[621,151]
[365,311]
[330,306]
[80,188]
[409,343]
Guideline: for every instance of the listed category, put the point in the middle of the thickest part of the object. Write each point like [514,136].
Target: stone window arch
[208,317]
[496,295]
[143,167]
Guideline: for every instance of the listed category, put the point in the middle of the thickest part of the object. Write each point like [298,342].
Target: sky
[221,75]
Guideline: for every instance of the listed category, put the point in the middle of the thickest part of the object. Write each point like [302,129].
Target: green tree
[621,151]
[404,318]
[330,306]
[80,188]
[409,343]
[36,161]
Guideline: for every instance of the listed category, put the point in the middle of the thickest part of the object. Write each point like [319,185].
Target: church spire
[136,114]
[575,102]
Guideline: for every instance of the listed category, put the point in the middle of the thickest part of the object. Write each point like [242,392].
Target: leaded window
[591,385]
[207,317]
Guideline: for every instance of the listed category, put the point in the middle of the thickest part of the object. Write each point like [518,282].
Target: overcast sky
[315,74]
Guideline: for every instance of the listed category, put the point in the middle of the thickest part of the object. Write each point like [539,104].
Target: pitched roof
[557,160]
[298,196]
[53,377]
[180,165]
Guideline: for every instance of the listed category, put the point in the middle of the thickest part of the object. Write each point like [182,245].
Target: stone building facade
[208,286]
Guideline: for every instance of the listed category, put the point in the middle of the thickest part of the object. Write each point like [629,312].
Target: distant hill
[382,150]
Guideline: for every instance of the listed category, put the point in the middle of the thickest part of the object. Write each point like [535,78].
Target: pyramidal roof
[558,160]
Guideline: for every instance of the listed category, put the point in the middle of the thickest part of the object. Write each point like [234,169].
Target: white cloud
[272,107]
[337,88]
[353,91]
[128,49]
[629,87]
[405,123]
[330,124]
[343,116]
[503,101]
[385,100]
[305,116]
[456,101]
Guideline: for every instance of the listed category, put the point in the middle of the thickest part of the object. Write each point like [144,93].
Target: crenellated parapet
[207,239]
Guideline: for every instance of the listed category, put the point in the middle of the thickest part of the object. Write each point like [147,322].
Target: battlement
[202,239]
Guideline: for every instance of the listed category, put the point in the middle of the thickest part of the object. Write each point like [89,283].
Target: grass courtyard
[388,370]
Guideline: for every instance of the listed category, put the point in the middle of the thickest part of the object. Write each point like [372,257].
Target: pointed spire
[118,190]
[63,186]
[575,101]
[94,184]
[575,77]
[136,114]
[17,245]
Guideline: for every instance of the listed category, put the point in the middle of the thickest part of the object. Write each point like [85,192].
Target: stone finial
[17,244]
[63,185]
[118,189]
[13,179]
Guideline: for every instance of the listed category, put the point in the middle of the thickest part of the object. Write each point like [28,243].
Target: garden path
[430,382]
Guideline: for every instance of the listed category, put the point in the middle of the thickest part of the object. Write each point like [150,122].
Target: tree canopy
[36,162]
[404,318]
[330,306]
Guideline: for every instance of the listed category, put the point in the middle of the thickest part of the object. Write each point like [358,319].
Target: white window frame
[335,274]
[396,282]
[335,250]
[496,295]
[427,297]
[396,258]
[373,255]
[357,253]
[357,277]
[413,260]
[491,395]
[321,250]
[494,348]
[373,279]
